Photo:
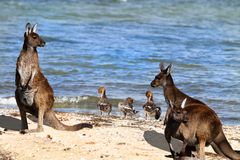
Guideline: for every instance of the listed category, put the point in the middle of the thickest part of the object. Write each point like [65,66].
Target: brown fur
[203,126]
[194,125]
[29,78]
[170,91]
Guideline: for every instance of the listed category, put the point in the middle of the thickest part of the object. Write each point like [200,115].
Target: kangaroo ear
[161,65]
[169,69]
[28,28]
[34,28]
[183,103]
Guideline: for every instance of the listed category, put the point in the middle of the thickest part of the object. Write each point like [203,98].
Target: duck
[150,108]
[127,107]
[103,103]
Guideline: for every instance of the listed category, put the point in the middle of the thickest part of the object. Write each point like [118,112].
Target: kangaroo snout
[42,44]
[153,84]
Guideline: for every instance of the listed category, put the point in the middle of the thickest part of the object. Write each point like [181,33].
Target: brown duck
[150,108]
[127,108]
[103,102]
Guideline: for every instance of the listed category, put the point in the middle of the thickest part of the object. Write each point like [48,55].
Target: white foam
[65,99]
[8,101]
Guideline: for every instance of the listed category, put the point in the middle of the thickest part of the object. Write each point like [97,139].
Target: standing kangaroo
[206,119]
[33,92]
[170,91]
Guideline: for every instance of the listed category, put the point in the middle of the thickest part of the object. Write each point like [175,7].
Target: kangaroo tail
[52,121]
[225,147]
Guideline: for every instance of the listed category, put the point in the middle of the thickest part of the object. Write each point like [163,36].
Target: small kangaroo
[33,92]
[207,119]
[150,108]
[176,117]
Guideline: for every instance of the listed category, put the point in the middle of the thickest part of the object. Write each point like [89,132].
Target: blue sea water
[120,43]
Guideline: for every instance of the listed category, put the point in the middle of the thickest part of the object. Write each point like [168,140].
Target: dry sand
[111,138]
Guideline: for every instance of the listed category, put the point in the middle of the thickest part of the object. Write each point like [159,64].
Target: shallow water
[119,44]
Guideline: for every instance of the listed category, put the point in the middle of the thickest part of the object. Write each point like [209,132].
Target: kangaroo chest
[26,68]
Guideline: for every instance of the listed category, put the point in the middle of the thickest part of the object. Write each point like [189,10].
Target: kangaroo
[170,91]
[172,94]
[176,117]
[198,125]
[33,92]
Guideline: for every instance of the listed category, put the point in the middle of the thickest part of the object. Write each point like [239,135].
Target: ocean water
[120,43]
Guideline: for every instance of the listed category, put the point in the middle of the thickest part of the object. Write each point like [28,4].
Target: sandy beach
[111,138]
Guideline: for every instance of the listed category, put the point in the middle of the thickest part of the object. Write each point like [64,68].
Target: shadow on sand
[10,123]
[158,140]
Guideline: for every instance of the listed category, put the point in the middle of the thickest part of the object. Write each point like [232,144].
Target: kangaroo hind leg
[201,151]
[24,124]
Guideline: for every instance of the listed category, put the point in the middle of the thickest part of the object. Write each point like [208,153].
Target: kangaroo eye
[34,37]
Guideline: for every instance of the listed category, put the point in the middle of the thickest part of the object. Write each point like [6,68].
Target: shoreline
[111,138]
[87,104]
[115,112]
